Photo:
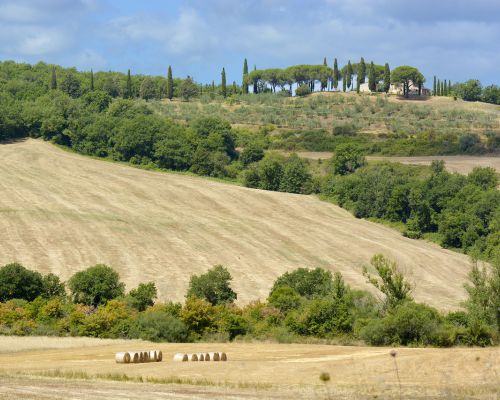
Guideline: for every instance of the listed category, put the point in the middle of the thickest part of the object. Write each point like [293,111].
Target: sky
[453,39]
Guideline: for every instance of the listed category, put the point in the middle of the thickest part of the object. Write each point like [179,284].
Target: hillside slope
[62,212]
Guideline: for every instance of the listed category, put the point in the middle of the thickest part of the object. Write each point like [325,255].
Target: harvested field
[460,164]
[61,212]
[253,371]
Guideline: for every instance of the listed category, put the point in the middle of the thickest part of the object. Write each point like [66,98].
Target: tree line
[303,303]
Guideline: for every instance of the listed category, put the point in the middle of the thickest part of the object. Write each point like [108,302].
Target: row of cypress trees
[441,87]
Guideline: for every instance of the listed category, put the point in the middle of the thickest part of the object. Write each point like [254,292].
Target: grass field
[62,212]
[252,371]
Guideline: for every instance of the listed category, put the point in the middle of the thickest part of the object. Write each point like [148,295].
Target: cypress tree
[53,81]
[387,78]
[445,90]
[362,70]
[235,88]
[438,88]
[434,86]
[349,74]
[128,89]
[170,84]
[358,83]
[244,84]
[91,80]
[223,88]
[449,87]
[344,82]
[372,85]
[442,88]
[324,62]
[336,74]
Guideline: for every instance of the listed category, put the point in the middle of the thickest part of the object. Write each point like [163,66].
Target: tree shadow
[414,97]
[14,140]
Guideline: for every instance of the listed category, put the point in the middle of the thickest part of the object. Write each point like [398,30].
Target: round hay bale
[214,356]
[134,357]
[192,357]
[159,356]
[207,356]
[141,356]
[180,357]
[201,356]
[122,357]
[152,355]
[145,355]
[223,356]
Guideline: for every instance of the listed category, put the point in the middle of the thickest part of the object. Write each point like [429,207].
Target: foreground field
[252,371]
[62,212]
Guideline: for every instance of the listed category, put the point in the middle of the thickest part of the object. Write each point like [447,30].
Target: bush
[142,297]
[17,282]
[251,153]
[96,285]
[303,90]
[158,326]
[285,299]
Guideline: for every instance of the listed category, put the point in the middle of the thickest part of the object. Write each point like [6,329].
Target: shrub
[303,90]
[158,326]
[143,296]
[285,299]
[96,285]
[347,159]
[251,153]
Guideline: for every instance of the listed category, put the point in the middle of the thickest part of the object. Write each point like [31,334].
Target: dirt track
[62,212]
[253,371]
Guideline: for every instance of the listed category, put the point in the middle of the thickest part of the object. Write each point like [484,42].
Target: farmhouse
[398,89]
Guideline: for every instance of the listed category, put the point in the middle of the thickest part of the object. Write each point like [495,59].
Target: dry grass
[61,212]
[273,370]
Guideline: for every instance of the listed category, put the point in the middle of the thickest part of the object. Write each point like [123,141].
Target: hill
[62,212]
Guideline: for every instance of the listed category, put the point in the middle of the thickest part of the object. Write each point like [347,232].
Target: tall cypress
[91,80]
[223,88]
[362,70]
[344,81]
[244,84]
[254,83]
[336,75]
[170,83]
[387,78]
[445,88]
[372,84]
[442,88]
[438,92]
[449,87]
[128,88]
[358,83]
[53,81]
[434,86]
[324,62]
[349,74]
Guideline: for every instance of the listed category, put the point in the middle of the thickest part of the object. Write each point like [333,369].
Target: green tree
[148,89]
[71,85]
[143,296]
[303,90]
[349,75]
[406,76]
[389,280]
[96,285]
[336,74]
[170,84]
[309,283]
[188,89]
[53,80]
[362,70]
[159,326]
[128,87]
[434,87]
[244,82]
[387,78]
[251,153]
[372,83]
[17,282]
[469,91]
[347,158]
[285,299]
[111,86]
[213,286]
[295,176]
[445,88]
[344,81]
[439,87]
[223,88]
[52,286]
[91,80]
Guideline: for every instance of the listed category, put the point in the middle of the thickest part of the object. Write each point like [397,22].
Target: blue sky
[454,39]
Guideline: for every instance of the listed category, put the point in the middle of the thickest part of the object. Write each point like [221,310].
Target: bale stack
[205,356]
[135,357]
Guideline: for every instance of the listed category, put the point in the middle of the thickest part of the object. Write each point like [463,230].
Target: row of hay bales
[135,357]
[210,356]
